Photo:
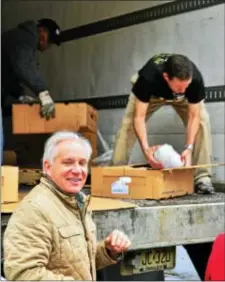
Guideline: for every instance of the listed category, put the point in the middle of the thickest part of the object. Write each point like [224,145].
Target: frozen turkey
[168,157]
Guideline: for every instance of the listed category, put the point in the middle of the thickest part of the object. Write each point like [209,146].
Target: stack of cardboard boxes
[123,182]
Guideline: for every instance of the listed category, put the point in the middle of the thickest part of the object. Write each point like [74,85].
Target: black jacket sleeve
[24,65]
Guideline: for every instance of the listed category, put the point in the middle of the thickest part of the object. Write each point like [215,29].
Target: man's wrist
[114,255]
[145,147]
[189,147]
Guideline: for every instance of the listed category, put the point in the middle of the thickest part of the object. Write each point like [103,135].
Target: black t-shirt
[152,83]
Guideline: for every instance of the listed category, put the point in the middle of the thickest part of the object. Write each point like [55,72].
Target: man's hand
[116,243]
[149,154]
[186,157]
[47,105]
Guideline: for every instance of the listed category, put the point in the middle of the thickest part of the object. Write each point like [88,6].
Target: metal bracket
[213,94]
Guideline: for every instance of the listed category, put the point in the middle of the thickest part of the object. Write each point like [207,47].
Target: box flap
[96,204]
[147,166]
[104,204]
[135,171]
[111,170]
[195,166]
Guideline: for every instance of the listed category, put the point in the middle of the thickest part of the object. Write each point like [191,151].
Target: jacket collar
[78,201]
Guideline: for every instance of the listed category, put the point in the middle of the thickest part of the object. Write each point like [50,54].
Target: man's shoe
[204,188]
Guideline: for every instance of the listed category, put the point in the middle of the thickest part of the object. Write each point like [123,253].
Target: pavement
[184,270]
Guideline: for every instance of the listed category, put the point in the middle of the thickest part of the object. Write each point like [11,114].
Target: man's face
[69,168]
[176,85]
[43,40]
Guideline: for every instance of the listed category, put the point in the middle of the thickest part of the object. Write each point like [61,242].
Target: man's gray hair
[58,137]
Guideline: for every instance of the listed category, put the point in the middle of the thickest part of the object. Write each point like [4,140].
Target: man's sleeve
[102,257]
[24,65]
[28,245]
[141,89]
[196,91]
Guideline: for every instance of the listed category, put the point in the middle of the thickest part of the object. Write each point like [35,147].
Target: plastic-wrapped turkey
[168,157]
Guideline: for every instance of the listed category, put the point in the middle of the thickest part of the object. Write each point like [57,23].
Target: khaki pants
[126,136]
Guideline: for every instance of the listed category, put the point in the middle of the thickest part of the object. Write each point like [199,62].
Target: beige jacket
[50,238]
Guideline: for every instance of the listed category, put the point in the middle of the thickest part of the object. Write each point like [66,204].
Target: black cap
[53,29]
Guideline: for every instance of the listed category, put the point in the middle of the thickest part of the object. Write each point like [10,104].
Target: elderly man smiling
[51,236]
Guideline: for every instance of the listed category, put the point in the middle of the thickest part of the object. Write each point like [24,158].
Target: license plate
[148,260]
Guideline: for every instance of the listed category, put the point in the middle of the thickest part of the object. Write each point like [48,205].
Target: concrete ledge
[165,225]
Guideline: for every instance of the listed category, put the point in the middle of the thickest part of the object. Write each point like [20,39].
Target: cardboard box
[69,116]
[127,182]
[9,184]
[140,183]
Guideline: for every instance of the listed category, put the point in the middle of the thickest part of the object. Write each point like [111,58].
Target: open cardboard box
[142,182]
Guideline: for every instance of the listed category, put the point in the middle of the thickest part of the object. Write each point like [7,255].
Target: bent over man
[168,79]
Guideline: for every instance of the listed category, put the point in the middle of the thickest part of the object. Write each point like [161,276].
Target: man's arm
[24,65]
[28,245]
[195,95]
[193,123]
[112,248]
[103,258]
[140,124]
[141,132]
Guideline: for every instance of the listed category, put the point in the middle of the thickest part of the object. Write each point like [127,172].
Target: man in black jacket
[19,67]
[19,46]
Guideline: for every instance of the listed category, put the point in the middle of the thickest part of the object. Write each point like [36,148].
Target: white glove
[47,105]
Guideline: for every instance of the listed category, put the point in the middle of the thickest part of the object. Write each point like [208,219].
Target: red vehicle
[215,269]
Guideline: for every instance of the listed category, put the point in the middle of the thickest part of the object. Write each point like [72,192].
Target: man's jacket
[51,236]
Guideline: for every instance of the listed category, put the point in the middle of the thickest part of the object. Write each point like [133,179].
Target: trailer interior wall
[101,65]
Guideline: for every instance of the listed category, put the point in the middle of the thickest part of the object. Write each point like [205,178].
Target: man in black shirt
[168,79]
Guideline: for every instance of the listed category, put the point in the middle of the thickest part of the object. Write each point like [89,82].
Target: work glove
[47,105]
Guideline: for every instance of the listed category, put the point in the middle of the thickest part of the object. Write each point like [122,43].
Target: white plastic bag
[168,157]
